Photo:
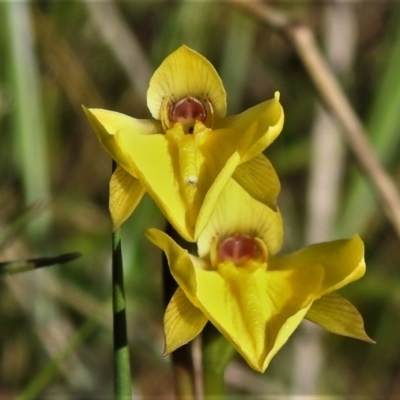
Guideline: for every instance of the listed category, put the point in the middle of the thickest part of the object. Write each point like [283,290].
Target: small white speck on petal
[191,180]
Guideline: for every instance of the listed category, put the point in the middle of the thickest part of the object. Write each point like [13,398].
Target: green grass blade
[30,150]
[16,267]
[237,54]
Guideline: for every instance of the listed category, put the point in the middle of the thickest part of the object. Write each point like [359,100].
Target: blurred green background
[55,324]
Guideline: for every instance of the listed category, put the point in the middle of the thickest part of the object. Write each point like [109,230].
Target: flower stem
[122,370]
[184,381]
[182,360]
[217,352]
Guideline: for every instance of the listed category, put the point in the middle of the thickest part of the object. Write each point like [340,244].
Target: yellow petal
[107,123]
[342,260]
[125,194]
[237,212]
[259,179]
[182,322]
[182,174]
[257,311]
[254,129]
[337,315]
[286,331]
[218,174]
[186,73]
[180,262]
[155,169]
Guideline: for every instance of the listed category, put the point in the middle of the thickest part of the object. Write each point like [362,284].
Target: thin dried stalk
[333,97]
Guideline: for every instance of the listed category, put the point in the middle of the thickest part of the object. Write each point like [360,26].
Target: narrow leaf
[16,267]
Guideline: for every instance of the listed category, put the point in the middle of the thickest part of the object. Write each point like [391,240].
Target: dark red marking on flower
[238,249]
[188,109]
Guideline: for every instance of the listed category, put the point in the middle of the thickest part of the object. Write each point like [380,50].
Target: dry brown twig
[333,97]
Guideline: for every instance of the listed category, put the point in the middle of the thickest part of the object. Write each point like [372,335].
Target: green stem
[184,381]
[182,360]
[122,369]
[217,352]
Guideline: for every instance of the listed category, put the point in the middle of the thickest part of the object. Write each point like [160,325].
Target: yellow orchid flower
[254,297]
[185,156]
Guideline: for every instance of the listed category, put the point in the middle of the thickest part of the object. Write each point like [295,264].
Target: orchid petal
[156,172]
[342,260]
[125,194]
[184,177]
[186,73]
[182,322]
[236,211]
[106,124]
[219,174]
[251,309]
[259,179]
[253,130]
[337,315]
[178,260]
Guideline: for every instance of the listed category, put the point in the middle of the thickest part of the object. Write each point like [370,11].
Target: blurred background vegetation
[55,324]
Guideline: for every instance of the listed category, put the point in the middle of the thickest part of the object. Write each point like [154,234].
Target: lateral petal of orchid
[286,331]
[259,179]
[125,194]
[244,215]
[254,129]
[107,123]
[201,170]
[252,308]
[155,171]
[182,322]
[218,174]
[342,260]
[186,73]
[179,260]
[337,315]
[185,178]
